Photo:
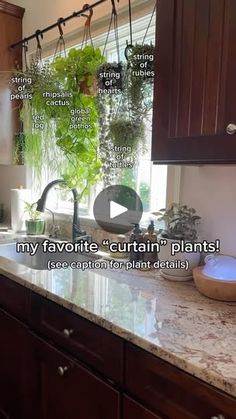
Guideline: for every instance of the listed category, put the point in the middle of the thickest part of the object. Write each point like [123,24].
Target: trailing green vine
[61,117]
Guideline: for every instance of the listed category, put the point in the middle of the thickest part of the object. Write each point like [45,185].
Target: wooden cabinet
[47,374]
[13,368]
[67,390]
[194,100]
[172,392]
[86,341]
[10,32]
[14,298]
[134,410]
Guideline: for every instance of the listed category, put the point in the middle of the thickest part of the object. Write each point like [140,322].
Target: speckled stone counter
[170,320]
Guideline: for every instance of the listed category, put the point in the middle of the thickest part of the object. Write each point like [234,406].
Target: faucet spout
[76,230]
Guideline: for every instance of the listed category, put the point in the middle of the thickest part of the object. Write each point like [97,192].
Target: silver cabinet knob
[218,417]
[68,332]
[62,370]
[231,129]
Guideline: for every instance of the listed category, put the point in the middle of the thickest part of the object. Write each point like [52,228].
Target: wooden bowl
[217,289]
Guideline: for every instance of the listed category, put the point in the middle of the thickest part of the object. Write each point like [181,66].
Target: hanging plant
[126,132]
[19,148]
[110,78]
[141,61]
[61,118]
[128,126]
[140,79]
[77,71]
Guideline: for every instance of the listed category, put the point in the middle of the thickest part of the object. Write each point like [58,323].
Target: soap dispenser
[137,236]
[151,236]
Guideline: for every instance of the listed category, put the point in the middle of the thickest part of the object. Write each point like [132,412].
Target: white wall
[212,191]
[11,177]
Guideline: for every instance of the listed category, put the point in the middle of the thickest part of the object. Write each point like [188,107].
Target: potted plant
[110,78]
[180,224]
[64,137]
[140,79]
[77,71]
[125,132]
[141,61]
[34,225]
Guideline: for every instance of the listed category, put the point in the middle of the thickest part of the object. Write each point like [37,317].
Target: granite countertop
[168,319]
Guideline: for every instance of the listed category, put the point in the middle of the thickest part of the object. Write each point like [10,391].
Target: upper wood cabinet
[10,32]
[195,84]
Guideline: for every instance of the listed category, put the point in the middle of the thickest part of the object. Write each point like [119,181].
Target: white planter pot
[177,274]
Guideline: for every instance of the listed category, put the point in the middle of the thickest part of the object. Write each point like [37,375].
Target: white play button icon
[116,209]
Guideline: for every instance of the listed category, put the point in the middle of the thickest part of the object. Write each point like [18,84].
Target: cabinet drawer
[176,394]
[90,343]
[14,298]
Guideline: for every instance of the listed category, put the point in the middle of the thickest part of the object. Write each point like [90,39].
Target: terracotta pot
[85,89]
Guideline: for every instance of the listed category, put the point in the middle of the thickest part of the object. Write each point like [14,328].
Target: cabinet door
[13,370]
[66,390]
[194,100]
[10,32]
[133,410]
[171,391]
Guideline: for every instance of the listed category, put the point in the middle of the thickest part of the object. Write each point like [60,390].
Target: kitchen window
[155,184]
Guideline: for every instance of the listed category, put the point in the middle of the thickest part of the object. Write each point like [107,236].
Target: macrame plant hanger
[129,46]
[149,24]
[87,27]
[114,20]
[25,49]
[38,35]
[61,46]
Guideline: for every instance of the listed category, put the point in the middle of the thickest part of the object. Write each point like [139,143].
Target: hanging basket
[125,132]
[141,61]
[110,78]
[88,86]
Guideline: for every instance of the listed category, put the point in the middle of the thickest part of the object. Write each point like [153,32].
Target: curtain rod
[61,21]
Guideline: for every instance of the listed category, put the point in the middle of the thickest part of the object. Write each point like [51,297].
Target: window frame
[173,180]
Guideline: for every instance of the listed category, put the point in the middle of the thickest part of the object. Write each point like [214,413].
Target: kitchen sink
[40,260]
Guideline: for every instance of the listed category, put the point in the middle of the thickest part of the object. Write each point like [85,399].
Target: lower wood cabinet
[14,351]
[65,389]
[177,395]
[133,410]
[46,373]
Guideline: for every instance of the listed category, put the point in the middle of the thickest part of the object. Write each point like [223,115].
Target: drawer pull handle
[68,332]
[218,417]
[231,129]
[62,371]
